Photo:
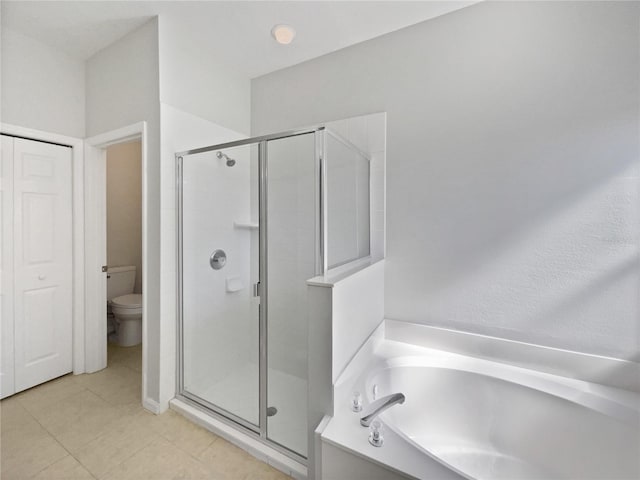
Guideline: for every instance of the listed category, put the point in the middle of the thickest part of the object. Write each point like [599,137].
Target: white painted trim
[39,135]
[151,405]
[249,444]
[96,333]
[77,146]
[120,135]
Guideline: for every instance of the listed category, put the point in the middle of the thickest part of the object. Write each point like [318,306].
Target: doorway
[98,270]
[124,254]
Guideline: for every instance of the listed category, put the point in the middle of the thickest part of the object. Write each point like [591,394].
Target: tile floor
[93,427]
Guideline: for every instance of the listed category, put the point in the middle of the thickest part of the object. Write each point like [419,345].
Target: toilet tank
[120,281]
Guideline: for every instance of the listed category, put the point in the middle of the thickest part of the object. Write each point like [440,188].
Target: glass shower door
[292,259]
[219,267]
[249,239]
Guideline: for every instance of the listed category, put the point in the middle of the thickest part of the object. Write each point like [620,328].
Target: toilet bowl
[127,310]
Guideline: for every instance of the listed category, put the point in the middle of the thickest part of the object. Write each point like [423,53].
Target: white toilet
[125,305]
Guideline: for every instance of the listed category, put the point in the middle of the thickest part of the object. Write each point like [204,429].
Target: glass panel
[348,231]
[291,231]
[362,205]
[220,313]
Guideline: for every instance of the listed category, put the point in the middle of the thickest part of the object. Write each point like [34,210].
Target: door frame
[78,232]
[95,216]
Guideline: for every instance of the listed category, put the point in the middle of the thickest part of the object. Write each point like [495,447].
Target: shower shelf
[245,226]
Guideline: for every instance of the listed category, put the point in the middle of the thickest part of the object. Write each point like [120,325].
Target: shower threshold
[250,443]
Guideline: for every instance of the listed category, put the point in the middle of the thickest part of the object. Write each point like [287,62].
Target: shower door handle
[256,289]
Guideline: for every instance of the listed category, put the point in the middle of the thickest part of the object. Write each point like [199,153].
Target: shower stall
[255,220]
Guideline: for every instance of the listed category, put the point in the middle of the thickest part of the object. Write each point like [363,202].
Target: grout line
[108,428]
[55,438]
[59,460]
[181,418]
[217,438]
[36,389]
[195,457]
[190,454]
[112,467]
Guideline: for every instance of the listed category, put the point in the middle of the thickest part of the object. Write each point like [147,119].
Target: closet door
[43,262]
[7,386]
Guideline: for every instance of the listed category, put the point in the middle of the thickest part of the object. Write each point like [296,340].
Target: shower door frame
[260,431]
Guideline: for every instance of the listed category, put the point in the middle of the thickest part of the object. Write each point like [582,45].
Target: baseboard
[151,405]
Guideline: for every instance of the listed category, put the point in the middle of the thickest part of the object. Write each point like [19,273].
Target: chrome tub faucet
[377,407]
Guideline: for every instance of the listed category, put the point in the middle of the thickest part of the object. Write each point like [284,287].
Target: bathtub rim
[616,403]
[343,429]
[598,369]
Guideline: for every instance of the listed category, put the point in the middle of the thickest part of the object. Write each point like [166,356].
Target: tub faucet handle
[356,402]
[375,434]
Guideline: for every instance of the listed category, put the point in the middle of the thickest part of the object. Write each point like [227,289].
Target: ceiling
[236,33]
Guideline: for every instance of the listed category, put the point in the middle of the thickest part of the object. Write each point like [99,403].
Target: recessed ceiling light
[283,34]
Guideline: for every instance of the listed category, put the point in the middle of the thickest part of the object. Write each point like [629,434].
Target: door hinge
[256,289]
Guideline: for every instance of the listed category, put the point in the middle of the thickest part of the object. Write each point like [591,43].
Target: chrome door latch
[256,289]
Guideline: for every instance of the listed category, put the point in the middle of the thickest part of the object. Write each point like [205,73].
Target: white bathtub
[491,421]
[484,419]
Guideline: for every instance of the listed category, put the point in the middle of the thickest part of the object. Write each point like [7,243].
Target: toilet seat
[129,301]
[127,312]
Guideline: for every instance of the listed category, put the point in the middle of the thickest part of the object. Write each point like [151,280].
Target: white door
[95,224]
[43,262]
[7,386]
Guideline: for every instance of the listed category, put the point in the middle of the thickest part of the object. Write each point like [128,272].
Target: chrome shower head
[230,161]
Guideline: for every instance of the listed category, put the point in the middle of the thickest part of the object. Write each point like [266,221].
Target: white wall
[203,103]
[193,80]
[512,165]
[124,207]
[42,88]
[123,82]
[122,88]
